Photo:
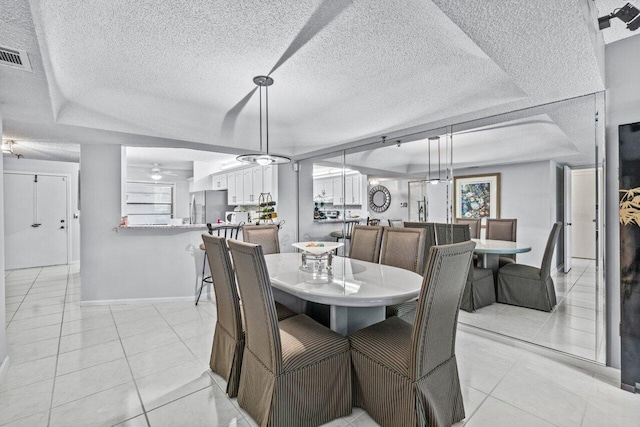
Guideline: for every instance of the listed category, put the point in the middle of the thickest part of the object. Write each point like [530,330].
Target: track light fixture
[627,14]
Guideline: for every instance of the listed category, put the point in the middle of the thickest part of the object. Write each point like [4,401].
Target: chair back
[226,231]
[395,222]
[348,226]
[262,334]
[475,225]
[373,221]
[434,328]
[365,243]
[447,234]
[429,236]
[224,285]
[502,229]
[403,248]
[545,268]
[263,235]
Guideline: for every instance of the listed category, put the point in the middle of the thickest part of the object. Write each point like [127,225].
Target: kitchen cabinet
[338,196]
[219,182]
[244,186]
[323,187]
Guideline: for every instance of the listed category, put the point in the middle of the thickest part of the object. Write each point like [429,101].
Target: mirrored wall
[530,169]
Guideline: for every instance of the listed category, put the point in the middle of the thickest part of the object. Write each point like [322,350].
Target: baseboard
[4,368]
[577,361]
[204,296]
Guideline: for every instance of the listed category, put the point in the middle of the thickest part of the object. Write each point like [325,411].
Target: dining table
[356,292]
[492,249]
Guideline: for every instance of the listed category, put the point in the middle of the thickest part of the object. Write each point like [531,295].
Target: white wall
[130,263]
[623,106]
[4,359]
[287,206]
[44,166]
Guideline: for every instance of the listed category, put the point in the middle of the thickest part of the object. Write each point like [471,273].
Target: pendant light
[263,158]
[437,179]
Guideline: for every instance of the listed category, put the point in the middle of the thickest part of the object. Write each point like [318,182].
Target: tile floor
[574,326]
[139,365]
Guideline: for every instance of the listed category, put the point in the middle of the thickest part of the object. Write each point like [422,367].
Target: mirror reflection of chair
[475,225]
[480,289]
[528,286]
[406,374]
[365,243]
[503,229]
[294,372]
[226,231]
[263,235]
[228,337]
[395,223]
[344,234]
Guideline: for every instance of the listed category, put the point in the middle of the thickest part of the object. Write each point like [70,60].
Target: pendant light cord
[266,91]
[260,119]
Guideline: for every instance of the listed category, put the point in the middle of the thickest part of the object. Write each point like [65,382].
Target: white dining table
[357,294]
[492,249]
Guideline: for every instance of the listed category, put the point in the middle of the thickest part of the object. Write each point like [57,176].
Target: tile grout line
[135,383]
[55,371]
[23,298]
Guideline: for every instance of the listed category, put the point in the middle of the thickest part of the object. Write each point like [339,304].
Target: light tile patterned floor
[571,327]
[139,365]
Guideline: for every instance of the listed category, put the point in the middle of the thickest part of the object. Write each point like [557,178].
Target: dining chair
[480,289]
[406,374]
[528,286]
[475,225]
[403,248]
[226,231]
[503,229]
[228,336]
[365,243]
[407,307]
[264,235]
[395,222]
[346,233]
[295,372]
[452,233]
[373,221]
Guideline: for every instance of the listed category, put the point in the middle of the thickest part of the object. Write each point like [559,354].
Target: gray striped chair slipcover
[403,248]
[407,375]
[295,372]
[475,225]
[264,235]
[228,337]
[503,229]
[365,243]
[528,286]
[405,308]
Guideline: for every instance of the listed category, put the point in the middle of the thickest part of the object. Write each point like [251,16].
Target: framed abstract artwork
[477,196]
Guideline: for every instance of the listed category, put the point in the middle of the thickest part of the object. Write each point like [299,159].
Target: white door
[567,219]
[583,215]
[257,184]
[36,221]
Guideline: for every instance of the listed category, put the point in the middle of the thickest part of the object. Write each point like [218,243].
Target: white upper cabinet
[219,182]
[338,197]
[244,186]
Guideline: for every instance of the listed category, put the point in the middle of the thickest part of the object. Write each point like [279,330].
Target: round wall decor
[379,198]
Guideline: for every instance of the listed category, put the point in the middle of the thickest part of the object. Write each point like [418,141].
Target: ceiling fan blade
[323,15]
[229,122]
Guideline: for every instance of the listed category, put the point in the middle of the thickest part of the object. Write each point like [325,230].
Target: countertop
[173,227]
[329,220]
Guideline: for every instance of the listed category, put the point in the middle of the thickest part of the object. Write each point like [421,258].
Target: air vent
[14,58]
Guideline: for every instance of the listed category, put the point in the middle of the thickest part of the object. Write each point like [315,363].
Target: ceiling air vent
[14,58]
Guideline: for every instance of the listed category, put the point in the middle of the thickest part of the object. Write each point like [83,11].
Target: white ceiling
[151,73]
[618,29]
[173,158]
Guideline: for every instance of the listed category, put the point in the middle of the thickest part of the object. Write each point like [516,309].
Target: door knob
[62,220]
[61,227]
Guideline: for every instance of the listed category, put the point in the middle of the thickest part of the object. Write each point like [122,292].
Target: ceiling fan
[157,173]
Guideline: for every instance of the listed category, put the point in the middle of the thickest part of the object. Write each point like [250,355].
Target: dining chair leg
[204,264]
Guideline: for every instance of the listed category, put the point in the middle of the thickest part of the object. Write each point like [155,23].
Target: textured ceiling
[618,29]
[173,158]
[179,73]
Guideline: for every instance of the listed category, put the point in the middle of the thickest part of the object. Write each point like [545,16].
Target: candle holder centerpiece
[317,258]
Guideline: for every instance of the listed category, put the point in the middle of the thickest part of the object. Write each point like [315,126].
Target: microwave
[237,217]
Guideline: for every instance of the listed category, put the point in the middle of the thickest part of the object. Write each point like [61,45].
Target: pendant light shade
[263,158]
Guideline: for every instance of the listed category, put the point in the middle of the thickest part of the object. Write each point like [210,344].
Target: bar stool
[226,231]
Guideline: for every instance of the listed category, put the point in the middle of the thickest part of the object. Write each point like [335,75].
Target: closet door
[36,220]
